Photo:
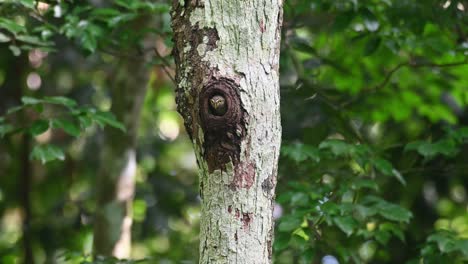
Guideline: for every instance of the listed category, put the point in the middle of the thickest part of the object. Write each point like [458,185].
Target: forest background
[373,168]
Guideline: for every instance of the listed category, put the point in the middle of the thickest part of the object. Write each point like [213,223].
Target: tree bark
[116,178]
[227,55]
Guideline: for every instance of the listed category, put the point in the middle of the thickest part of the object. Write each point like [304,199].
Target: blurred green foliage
[374,117]
[85,116]
[375,130]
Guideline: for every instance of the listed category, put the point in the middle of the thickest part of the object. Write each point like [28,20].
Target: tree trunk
[226,54]
[116,178]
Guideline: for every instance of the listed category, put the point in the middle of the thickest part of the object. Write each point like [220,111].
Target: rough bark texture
[116,179]
[230,49]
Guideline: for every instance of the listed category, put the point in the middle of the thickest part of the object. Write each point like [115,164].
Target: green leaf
[300,152]
[300,232]
[387,210]
[428,250]
[281,241]
[15,50]
[364,211]
[4,38]
[445,147]
[89,35]
[289,223]
[107,118]
[385,167]
[158,7]
[446,241]
[85,121]
[121,19]
[342,21]
[364,183]
[347,224]
[46,153]
[299,199]
[105,12]
[67,126]
[33,40]
[394,212]
[399,177]
[372,45]
[30,100]
[89,42]
[392,228]
[382,237]
[307,256]
[61,100]
[38,127]
[126,4]
[5,129]
[14,109]
[337,147]
[28,3]
[303,47]
[462,246]
[11,26]
[46,33]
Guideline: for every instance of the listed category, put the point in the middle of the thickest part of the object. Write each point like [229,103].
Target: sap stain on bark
[246,219]
[244,176]
[223,131]
[262,26]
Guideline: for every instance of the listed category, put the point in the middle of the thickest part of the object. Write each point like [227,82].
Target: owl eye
[213,102]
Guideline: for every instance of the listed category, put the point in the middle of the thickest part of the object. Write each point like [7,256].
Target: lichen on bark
[230,49]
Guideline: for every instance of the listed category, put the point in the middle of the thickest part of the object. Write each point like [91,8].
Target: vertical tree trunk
[116,178]
[15,84]
[226,53]
[25,192]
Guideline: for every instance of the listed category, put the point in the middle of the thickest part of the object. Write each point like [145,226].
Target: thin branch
[166,64]
[411,64]
[121,55]
[140,57]
[390,74]
[439,65]
[414,64]
[432,169]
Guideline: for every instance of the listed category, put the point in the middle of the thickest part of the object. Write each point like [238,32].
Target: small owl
[218,105]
